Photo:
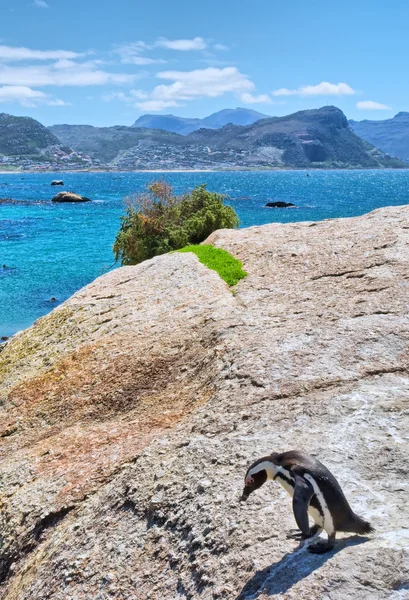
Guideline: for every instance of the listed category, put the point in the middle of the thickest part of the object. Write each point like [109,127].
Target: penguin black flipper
[303,492]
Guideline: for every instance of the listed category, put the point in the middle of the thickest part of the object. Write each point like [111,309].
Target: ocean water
[52,250]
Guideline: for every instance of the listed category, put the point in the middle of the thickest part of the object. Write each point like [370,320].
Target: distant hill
[390,135]
[184,126]
[236,116]
[168,123]
[308,139]
[26,137]
[109,143]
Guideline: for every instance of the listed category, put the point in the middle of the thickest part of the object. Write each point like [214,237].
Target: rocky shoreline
[128,416]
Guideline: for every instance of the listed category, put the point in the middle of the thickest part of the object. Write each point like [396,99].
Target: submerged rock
[129,414]
[279,204]
[57,182]
[69,197]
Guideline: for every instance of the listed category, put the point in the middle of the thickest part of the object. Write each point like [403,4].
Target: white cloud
[134,97]
[142,60]
[220,47]
[214,62]
[11,53]
[28,97]
[40,4]
[251,99]
[208,83]
[129,97]
[370,105]
[58,103]
[62,73]
[322,89]
[190,85]
[196,43]
[139,94]
[130,54]
[19,92]
[142,45]
[156,105]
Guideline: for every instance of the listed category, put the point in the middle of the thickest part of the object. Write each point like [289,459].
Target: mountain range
[390,135]
[319,138]
[184,126]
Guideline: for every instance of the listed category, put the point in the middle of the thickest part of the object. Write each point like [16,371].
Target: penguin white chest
[288,487]
[324,518]
[317,516]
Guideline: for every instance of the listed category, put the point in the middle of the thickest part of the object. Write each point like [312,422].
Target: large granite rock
[279,204]
[128,416]
[69,197]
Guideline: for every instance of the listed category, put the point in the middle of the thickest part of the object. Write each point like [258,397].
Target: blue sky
[106,62]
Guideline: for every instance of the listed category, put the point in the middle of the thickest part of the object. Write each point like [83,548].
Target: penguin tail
[358,525]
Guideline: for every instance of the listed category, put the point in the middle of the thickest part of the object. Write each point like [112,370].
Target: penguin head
[257,474]
[252,482]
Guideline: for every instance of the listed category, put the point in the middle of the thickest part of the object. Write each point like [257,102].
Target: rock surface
[57,182]
[69,197]
[128,416]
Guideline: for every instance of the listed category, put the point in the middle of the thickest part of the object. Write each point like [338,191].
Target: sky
[106,62]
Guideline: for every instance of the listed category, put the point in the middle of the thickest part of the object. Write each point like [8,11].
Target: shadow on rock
[282,575]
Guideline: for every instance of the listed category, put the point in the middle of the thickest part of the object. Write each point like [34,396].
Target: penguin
[315,492]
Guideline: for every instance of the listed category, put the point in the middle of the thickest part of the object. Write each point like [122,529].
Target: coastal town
[60,160]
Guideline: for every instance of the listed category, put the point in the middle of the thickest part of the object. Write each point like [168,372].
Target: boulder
[129,414]
[69,197]
[279,204]
[57,182]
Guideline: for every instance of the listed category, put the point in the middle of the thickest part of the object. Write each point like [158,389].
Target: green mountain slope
[22,136]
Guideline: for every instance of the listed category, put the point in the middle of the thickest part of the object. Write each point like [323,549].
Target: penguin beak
[245,495]
[248,488]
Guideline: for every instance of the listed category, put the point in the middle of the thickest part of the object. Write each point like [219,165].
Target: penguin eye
[249,480]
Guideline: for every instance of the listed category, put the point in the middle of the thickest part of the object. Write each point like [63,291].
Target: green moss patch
[229,268]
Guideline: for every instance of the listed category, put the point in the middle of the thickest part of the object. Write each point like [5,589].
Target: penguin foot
[320,548]
[296,534]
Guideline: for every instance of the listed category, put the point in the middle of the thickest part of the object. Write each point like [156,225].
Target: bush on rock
[157,222]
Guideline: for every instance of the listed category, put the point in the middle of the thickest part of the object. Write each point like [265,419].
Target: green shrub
[158,221]
[221,261]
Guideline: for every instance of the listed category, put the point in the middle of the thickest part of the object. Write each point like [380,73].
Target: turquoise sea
[52,250]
